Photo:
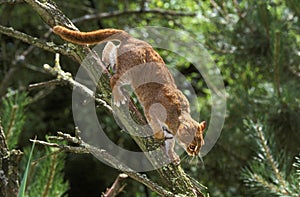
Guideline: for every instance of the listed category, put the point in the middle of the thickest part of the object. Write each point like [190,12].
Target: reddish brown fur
[131,54]
[78,37]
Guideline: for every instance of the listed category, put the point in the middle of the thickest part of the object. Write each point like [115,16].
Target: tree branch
[84,148]
[47,46]
[67,77]
[117,186]
[103,15]
[271,160]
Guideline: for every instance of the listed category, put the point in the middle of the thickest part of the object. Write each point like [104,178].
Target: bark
[9,168]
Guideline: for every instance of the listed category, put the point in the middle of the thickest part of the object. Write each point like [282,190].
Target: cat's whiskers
[194,160]
[185,157]
[201,160]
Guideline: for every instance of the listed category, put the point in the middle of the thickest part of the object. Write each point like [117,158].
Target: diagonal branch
[84,148]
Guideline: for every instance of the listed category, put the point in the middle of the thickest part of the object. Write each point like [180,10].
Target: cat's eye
[192,146]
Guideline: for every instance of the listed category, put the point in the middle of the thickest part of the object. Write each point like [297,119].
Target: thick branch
[86,148]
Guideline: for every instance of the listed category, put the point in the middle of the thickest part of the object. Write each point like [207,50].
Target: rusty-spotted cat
[161,92]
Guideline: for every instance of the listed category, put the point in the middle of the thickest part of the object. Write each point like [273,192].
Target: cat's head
[190,136]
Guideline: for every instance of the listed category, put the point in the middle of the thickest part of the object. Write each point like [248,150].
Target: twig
[72,149]
[131,12]
[53,82]
[35,162]
[67,77]
[117,186]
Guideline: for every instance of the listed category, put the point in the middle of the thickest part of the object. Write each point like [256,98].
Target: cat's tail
[92,37]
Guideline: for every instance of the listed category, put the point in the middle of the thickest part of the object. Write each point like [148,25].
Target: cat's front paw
[119,102]
[175,158]
[118,97]
[169,148]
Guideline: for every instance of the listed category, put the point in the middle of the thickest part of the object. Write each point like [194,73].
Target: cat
[135,62]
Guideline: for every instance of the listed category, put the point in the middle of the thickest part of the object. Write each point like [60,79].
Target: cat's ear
[202,126]
[109,54]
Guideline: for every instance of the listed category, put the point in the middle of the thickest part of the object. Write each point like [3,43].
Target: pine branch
[13,115]
[263,174]
[13,120]
[265,184]
[271,160]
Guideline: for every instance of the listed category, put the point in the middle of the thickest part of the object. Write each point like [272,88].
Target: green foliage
[46,177]
[267,173]
[13,116]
